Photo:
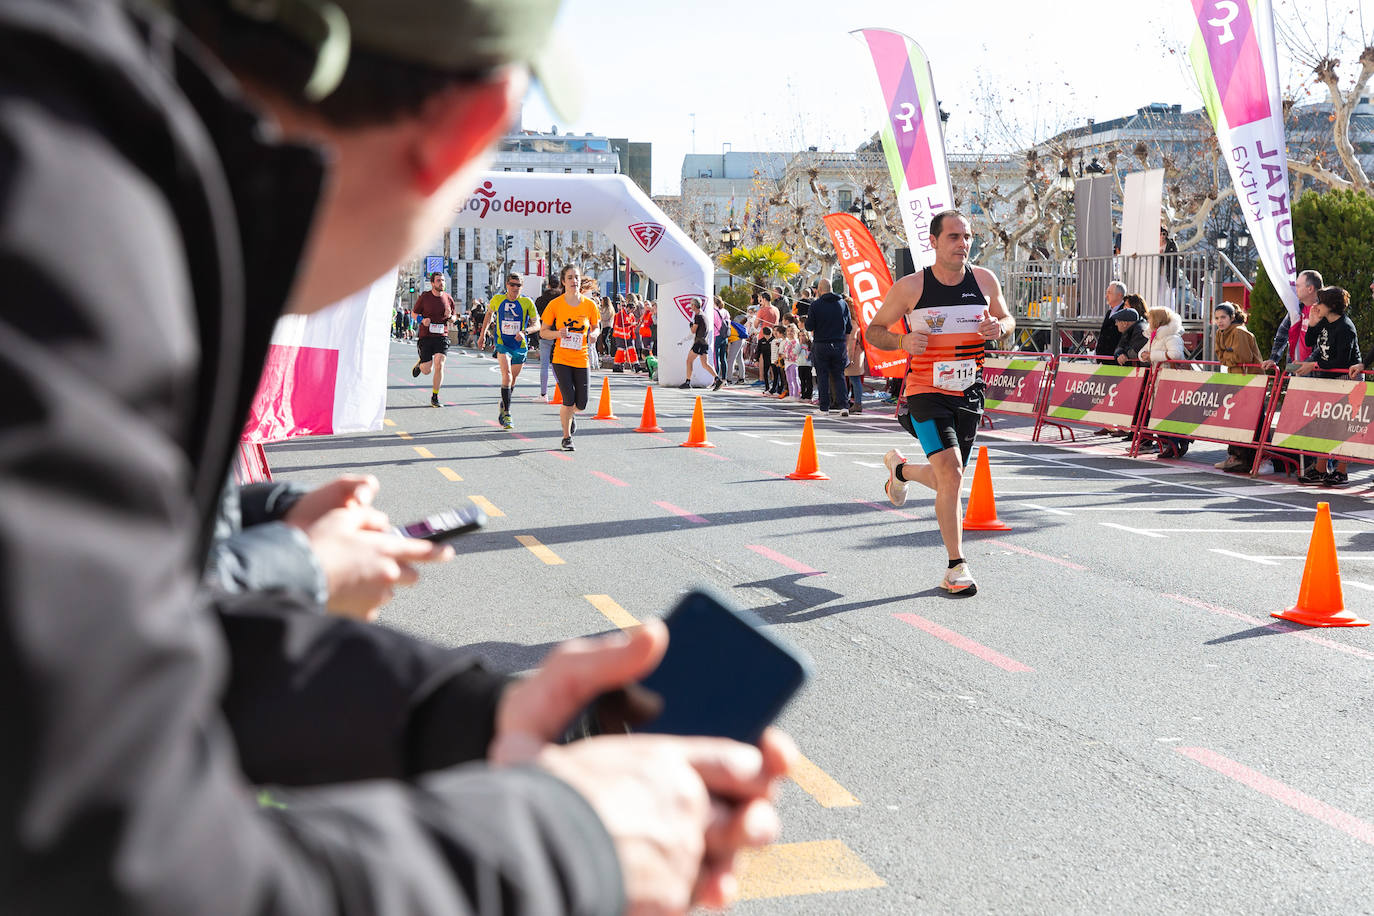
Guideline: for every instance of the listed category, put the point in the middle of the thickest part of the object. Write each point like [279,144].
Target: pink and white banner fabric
[913,139]
[1236,63]
[326,372]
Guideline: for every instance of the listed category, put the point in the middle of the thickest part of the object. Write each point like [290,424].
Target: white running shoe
[896,489]
[959,582]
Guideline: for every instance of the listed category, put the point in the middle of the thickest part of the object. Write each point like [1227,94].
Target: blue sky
[783,76]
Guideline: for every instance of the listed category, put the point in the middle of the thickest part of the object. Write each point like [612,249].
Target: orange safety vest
[646,325]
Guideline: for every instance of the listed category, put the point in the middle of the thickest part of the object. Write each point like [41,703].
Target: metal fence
[1059,304]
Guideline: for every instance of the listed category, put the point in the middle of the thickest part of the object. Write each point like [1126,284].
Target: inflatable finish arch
[614,205]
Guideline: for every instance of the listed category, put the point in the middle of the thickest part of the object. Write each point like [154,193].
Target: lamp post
[863,211]
[729,240]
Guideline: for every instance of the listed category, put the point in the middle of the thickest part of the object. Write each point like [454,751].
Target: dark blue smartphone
[723,675]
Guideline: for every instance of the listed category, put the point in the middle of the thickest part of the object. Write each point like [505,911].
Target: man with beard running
[435,309]
[952,310]
[516,319]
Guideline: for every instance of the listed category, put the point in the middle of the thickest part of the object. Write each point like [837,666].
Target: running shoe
[958,581]
[716,386]
[1311,477]
[434,399]
[415,371]
[844,411]
[505,421]
[896,489]
[684,385]
[567,444]
[1336,479]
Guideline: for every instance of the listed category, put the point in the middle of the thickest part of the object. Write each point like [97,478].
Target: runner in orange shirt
[953,310]
[570,321]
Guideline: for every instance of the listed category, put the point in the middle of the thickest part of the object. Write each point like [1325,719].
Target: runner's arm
[901,299]
[997,306]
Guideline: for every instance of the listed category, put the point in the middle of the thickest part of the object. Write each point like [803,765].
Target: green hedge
[1333,233]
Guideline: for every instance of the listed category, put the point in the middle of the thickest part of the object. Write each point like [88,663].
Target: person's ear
[457,125]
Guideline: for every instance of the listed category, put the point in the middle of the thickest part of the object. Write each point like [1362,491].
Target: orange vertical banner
[867,280]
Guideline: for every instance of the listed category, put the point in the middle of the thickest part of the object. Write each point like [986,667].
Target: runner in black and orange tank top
[952,311]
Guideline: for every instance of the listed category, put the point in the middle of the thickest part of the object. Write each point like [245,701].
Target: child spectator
[1335,347]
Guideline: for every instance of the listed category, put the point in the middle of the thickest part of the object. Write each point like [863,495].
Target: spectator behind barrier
[1130,328]
[1236,348]
[1335,347]
[1166,335]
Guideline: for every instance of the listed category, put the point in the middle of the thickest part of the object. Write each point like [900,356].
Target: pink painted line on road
[491,422]
[881,507]
[521,438]
[959,641]
[682,513]
[787,561]
[471,413]
[1278,626]
[609,479]
[1039,556]
[561,456]
[702,451]
[658,438]
[1304,804]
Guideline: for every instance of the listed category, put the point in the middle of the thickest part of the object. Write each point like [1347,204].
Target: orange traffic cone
[696,436]
[603,410]
[981,514]
[808,466]
[1320,602]
[648,423]
[557,398]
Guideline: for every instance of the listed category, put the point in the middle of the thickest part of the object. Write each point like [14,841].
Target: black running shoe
[685,385]
[1336,479]
[434,399]
[1311,477]
[716,386]
[567,444]
[415,371]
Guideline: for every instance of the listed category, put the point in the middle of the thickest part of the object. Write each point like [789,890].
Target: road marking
[560,456]
[485,505]
[868,464]
[1263,561]
[776,442]
[960,641]
[1039,556]
[403,434]
[820,785]
[1277,626]
[1361,585]
[709,454]
[614,612]
[864,502]
[752,435]
[659,438]
[422,451]
[1141,531]
[448,472]
[471,413]
[1284,794]
[1047,509]
[784,560]
[795,869]
[490,422]
[1246,531]
[682,513]
[539,550]
[388,422]
[609,479]
[521,438]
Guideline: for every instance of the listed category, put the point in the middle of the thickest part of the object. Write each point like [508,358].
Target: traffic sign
[434,263]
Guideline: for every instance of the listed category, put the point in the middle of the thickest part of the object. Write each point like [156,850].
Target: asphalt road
[1114,724]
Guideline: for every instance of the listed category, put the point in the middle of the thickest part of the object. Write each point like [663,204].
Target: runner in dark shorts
[700,348]
[953,310]
[436,310]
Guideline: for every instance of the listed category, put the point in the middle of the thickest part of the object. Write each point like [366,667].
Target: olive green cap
[457,35]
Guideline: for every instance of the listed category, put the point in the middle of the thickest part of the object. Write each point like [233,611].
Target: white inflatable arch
[614,205]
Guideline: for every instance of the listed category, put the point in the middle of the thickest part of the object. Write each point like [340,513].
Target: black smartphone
[444,526]
[723,675]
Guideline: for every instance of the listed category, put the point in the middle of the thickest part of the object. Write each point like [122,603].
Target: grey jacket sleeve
[254,551]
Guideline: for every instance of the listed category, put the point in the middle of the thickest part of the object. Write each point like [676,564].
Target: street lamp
[729,240]
[1223,241]
[863,211]
[1096,168]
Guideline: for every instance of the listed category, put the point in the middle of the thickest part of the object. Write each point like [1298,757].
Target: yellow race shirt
[575,322]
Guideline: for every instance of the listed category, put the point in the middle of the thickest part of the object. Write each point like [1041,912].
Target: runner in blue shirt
[515,318]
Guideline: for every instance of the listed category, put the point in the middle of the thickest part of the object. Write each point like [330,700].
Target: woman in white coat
[1166,336]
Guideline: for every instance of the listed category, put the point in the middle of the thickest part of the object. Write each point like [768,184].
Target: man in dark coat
[829,322]
[126,789]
